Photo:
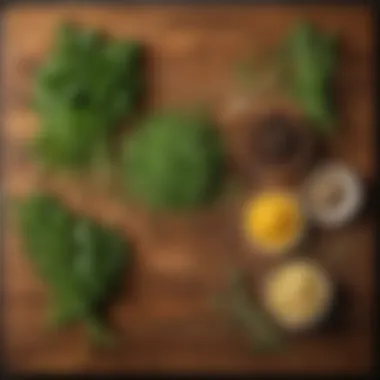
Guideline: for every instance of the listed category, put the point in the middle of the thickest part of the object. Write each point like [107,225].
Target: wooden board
[165,321]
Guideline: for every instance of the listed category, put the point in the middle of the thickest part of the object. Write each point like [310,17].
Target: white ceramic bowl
[346,209]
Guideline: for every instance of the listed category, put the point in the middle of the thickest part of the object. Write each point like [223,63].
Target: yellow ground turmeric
[273,221]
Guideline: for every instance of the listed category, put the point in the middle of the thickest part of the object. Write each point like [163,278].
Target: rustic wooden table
[166,322]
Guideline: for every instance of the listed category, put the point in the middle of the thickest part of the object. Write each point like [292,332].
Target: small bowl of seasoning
[273,222]
[333,195]
[299,295]
[282,146]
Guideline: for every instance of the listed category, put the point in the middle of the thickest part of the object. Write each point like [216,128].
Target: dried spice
[273,222]
[298,294]
[333,194]
[277,139]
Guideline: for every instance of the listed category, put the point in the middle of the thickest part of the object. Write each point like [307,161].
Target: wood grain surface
[165,321]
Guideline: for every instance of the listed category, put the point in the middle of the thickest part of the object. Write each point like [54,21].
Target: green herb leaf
[302,66]
[81,261]
[263,334]
[311,58]
[175,160]
[83,90]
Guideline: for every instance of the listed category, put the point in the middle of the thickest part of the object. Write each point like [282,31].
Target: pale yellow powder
[296,293]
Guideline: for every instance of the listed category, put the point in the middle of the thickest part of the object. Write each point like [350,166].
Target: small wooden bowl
[241,120]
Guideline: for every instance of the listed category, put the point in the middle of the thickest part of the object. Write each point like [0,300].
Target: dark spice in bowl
[278,139]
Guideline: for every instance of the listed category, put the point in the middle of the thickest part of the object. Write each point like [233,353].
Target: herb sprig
[86,87]
[81,261]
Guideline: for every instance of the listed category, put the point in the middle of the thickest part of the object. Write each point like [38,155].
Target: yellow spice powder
[296,293]
[273,220]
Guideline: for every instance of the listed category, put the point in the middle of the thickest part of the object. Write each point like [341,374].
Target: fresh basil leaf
[85,88]
[80,261]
